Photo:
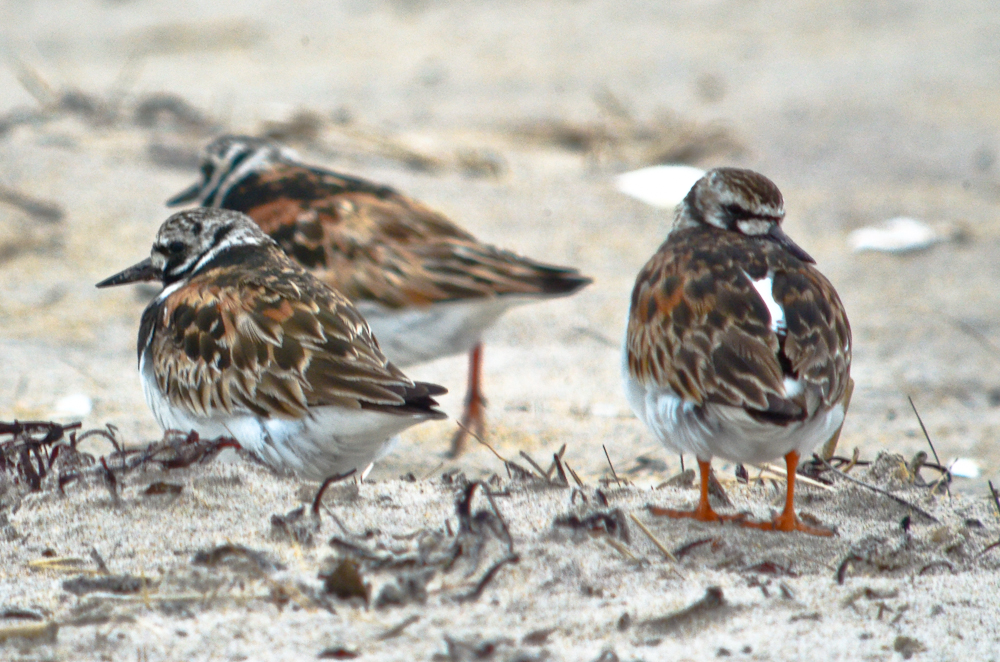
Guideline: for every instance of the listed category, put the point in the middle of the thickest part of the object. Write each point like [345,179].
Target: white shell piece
[75,405]
[965,467]
[659,186]
[896,235]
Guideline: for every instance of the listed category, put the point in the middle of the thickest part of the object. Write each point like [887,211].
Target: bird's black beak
[137,272]
[187,195]
[777,235]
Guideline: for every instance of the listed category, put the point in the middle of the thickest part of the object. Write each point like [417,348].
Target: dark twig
[557,461]
[535,466]
[681,551]
[996,497]
[573,474]
[996,502]
[481,585]
[844,565]
[930,443]
[397,630]
[899,500]
[503,522]
[613,472]
[937,564]
[552,467]
[111,482]
[106,433]
[99,560]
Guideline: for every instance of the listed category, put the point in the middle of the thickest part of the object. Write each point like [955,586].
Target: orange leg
[704,512]
[474,416]
[787,520]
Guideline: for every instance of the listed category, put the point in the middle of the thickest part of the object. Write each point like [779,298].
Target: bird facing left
[241,342]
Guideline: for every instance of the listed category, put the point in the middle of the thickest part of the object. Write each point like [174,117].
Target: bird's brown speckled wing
[372,243]
[698,326]
[273,343]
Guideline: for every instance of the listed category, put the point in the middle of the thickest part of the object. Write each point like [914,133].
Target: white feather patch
[765,287]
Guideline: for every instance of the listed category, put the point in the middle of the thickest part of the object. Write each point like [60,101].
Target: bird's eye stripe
[221,234]
[736,212]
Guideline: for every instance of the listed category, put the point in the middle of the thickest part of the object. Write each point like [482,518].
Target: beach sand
[512,119]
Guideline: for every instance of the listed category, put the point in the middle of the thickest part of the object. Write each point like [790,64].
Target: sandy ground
[513,120]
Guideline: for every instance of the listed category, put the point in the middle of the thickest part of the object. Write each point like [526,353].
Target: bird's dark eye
[736,212]
[175,247]
[206,171]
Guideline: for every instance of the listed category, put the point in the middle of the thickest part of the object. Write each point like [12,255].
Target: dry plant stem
[474,415]
[778,471]
[556,462]
[923,427]
[613,472]
[621,549]
[535,466]
[29,631]
[573,474]
[996,502]
[659,545]
[397,630]
[899,500]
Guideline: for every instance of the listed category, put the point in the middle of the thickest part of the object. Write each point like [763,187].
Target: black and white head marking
[190,239]
[737,200]
[228,160]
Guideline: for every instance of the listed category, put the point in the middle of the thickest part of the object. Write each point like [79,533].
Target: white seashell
[896,235]
[659,186]
[605,410]
[965,467]
[75,405]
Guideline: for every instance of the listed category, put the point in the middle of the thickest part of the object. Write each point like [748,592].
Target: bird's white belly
[722,430]
[328,441]
[415,335]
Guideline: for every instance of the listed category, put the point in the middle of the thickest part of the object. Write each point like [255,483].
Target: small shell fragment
[965,467]
[75,405]
[660,185]
[896,235]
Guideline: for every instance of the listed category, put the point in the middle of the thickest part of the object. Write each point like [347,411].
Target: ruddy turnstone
[737,346]
[242,342]
[427,288]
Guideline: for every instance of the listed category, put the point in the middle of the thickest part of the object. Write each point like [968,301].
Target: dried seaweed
[118,584]
[609,522]
[32,448]
[344,580]
[711,606]
[236,557]
[478,530]
[617,136]
[158,110]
